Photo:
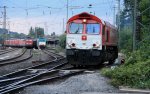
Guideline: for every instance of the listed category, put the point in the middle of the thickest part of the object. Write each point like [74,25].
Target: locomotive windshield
[76,28]
[93,28]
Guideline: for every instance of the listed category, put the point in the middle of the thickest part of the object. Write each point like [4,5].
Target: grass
[59,49]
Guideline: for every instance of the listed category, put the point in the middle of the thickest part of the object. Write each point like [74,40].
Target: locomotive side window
[76,28]
[93,28]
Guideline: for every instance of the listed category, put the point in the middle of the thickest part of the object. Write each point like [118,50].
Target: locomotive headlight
[96,44]
[73,44]
[84,20]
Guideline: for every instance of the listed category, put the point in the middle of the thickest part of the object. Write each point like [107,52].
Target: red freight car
[19,43]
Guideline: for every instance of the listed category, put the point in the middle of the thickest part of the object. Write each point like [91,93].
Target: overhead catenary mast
[4,18]
[63,28]
[67,9]
[134,25]
[114,19]
[118,21]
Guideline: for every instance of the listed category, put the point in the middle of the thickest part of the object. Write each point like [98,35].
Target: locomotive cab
[41,43]
[84,40]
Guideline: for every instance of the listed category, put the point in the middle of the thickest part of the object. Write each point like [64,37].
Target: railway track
[3,49]
[18,55]
[40,78]
[26,54]
[6,51]
[46,72]
[57,59]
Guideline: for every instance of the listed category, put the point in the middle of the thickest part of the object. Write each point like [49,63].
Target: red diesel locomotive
[90,41]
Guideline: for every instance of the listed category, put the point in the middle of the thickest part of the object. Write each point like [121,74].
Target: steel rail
[17,56]
[32,67]
[23,81]
[54,53]
[17,59]
[31,77]
[4,50]
[39,81]
[7,51]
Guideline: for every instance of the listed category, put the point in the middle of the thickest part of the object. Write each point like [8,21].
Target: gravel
[79,84]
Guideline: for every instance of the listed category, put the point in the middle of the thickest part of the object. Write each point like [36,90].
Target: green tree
[126,40]
[31,33]
[144,19]
[39,32]
[22,35]
[62,40]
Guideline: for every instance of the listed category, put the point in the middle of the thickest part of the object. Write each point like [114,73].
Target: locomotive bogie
[84,57]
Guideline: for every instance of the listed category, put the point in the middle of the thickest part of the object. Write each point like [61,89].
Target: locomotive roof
[110,25]
[14,39]
[85,15]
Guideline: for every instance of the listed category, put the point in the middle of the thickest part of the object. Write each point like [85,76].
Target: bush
[136,75]
[62,41]
[59,49]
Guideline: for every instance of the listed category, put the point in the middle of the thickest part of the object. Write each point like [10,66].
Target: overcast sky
[49,14]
